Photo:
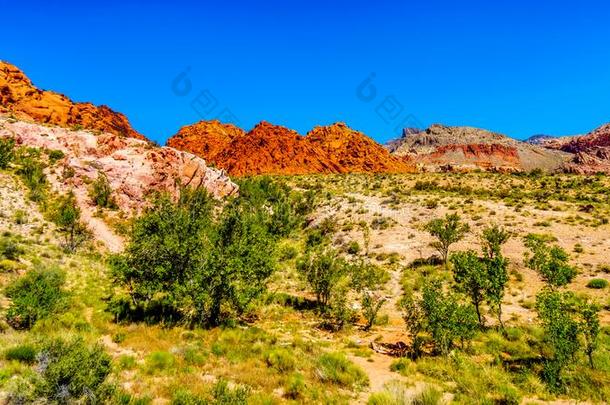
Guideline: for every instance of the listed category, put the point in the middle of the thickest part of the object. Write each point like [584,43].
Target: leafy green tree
[239,264]
[470,273]
[366,279]
[446,319]
[493,239]
[66,215]
[36,295]
[447,231]
[551,262]
[497,277]
[200,267]
[415,321]
[7,147]
[168,244]
[589,326]
[101,192]
[322,269]
[561,331]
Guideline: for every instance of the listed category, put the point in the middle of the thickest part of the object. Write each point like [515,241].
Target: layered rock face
[591,151]
[465,148]
[20,98]
[134,167]
[273,149]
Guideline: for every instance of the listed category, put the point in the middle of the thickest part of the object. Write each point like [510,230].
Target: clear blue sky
[520,67]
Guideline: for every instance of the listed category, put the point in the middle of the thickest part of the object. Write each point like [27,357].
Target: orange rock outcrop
[20,98]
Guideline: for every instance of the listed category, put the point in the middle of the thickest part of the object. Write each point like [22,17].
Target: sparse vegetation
[217,302]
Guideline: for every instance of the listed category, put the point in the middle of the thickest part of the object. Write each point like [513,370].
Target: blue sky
[518,68]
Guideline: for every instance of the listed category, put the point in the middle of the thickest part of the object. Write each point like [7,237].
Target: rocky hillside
[465,148]
[205,138]
[591,151]
[134,168]
[21,99]
[273,149]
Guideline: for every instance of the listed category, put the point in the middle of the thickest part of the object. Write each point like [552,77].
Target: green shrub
[159,361]
[207,268]
[335,368]
[429,396]
[8,266]
[20,217]
[65,213]
[184,397]
[551,262]
[353,248]
[9,249]
[224,395]
[295,386]
[31,171]
[55,155]
[25,353]
[34,296]
[281,360]
[72,372]
[7,146]
[101,192]
[597,283]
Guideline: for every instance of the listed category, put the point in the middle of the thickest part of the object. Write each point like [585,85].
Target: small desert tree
[447,231]
[561,330]
[446,319]
[239,264]
[200,267]
[470,274]
[415,320]
[322,269]
[589,326]
[66,215]
[492,240]
[366,280]
[497,267]
[551,262]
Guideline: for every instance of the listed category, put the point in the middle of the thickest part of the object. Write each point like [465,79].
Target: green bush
[9,249]
[353,248]
[65,213]
[551,262]
[224,395]
[159,361]
[34,296]
[295,386]
[101,192]
[31,171]
[281,360]
[335,368]
[55,155]
[7,146]
[597,283]
[25,353]
[72,372]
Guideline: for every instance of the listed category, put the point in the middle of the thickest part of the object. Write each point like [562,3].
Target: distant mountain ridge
[441,147]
